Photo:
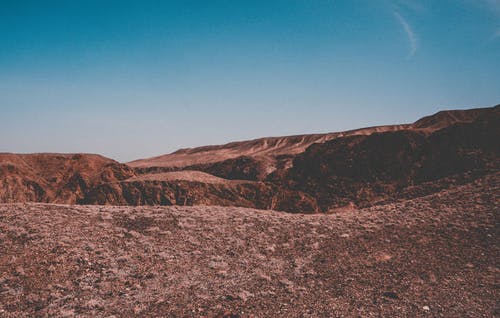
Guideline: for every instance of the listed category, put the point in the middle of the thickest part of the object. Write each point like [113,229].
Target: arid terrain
[389,221]
[434,256]
[250,159]
[304,174]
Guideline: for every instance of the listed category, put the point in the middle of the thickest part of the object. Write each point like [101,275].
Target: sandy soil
[428,257]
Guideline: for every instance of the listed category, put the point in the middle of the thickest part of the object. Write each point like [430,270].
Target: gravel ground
[427,257]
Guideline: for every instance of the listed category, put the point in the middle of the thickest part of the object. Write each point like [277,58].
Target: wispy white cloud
[412,38]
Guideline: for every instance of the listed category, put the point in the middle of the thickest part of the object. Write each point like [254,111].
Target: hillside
[384,166]
[434,256]
[364,167]
[59,178]
[267,150]
[308,173]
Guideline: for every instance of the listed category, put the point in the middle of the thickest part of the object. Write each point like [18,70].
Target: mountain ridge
[297,143]
[360,167]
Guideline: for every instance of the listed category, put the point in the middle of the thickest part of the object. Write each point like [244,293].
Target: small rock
[218,265]
[222,273]
[271,248]
[390,294]
[426,308]
[93,302]
[383,257]
[19,271]
[432,277]
[244,295]
[153,229]
[264,277]
[134,233]
[66,313]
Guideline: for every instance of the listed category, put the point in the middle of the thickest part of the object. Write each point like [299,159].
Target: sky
[134,79]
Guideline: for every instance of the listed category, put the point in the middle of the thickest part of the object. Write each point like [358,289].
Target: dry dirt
[427,257]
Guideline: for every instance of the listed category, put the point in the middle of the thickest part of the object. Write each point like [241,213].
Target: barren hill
[384,166]
[262,148]
[60,178]
[445,118]
[434,256]
[308,173]
[267,149]
[409,227]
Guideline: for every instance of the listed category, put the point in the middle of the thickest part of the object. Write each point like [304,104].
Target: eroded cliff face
[17,185]
[258,195]
[357,168]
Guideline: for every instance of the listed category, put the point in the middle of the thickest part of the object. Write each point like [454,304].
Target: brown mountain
[385,166]
[256,159]
[447,118]
[307,173]
[267,154]
[58,178]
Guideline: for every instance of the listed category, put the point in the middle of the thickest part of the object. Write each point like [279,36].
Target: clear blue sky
[132,79]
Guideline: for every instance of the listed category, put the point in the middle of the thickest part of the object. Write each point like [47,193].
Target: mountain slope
[309,173]
[59,178]
[261,148]
[434,256]
[267,150]
[384,166]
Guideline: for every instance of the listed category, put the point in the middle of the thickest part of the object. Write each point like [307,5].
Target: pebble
[426,308]
[390,294]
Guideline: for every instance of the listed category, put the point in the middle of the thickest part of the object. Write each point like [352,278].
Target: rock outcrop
[57,178]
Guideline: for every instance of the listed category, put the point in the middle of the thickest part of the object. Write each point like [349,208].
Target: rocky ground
[427,257]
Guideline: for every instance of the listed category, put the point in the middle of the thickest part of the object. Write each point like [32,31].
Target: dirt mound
[432,256]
